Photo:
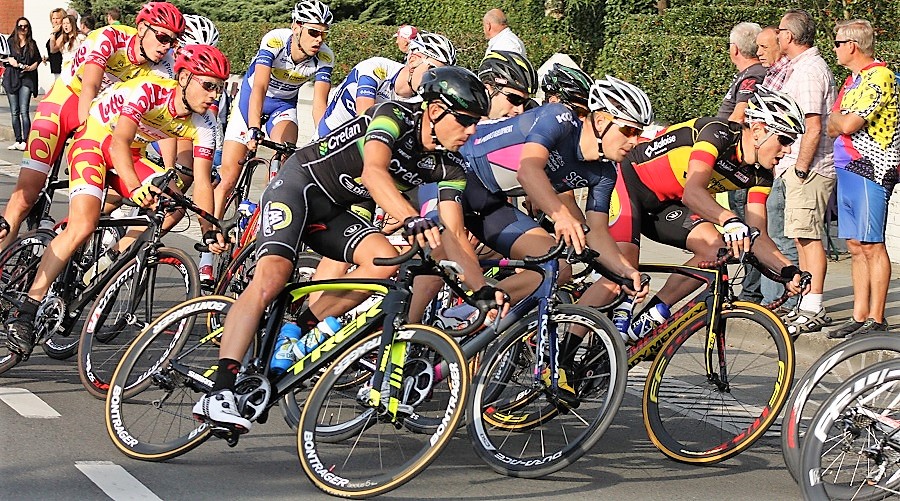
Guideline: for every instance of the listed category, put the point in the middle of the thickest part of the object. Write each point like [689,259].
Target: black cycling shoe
[20,336]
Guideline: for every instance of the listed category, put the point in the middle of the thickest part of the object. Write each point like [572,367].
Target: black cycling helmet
[456,87]
[570,84]
[503,68]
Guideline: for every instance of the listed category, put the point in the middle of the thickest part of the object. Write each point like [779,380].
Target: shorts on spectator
[862,206]
[805,205]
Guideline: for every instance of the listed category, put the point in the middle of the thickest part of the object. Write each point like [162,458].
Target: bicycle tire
[821,380]
[516,424]
[150,417]
[678,419]
[852,438]
[111,325]
[376,460]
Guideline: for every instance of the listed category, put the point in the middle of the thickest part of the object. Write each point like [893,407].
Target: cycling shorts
[862,206]
[277,110]
[295,210]
[90,163]
[56,117]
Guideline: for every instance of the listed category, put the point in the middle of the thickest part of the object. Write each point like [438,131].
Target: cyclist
[391,145]
[380,79]
[510,79]
[569,86]
[108,55]
[122,122]
[666,186]
[287,58]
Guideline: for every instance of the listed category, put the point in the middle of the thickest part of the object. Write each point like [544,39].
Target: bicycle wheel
[18,266]
[516,422]
[853,448]
[160,377]
[694,418]
[112,322]
[382,456]
[821,381]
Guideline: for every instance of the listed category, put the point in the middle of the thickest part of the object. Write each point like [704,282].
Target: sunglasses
[163,38]
[782,139]
[23,26]
[211,86]
[316,33]
[464,120]
[838,43]
[514,99]
[625,129]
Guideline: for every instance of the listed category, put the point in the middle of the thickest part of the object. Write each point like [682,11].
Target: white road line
[115,481]
[27,404]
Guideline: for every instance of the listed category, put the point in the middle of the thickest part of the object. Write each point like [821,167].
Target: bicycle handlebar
[284,148]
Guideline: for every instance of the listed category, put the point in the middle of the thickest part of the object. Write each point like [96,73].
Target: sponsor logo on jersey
[494,134]
[427,163]
[380,73]
[675,214]
[400,172]
[276,216]
[659,145]
[336,140]
[353,186]
[575,180]
[352,229]
[555,161]
[564,117]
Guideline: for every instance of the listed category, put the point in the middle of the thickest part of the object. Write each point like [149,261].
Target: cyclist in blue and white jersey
[380,79]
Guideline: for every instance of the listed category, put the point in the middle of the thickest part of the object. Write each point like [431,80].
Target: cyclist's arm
[91,78]
[203,189]
[261,77]
[120,152]
[168,150]
[320,100]
[456,240]
[611,257]
[696,195]
[376,178]
[764,247]
[363,103]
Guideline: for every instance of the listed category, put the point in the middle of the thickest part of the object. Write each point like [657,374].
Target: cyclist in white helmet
[199,30]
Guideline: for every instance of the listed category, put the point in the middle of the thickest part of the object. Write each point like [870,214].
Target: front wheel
[382,454]
[700,415]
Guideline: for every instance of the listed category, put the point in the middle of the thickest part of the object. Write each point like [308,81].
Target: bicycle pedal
[230,434]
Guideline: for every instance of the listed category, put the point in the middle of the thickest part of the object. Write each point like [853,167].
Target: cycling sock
[655,300]
[227,374]
[307,320]
[206,258]
[811,302]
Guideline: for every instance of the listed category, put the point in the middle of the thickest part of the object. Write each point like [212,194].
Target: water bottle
[101,265]
[314,338]
[650,319]
[621,317]
[284,345]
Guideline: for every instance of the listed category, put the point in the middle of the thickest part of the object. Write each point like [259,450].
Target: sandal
[807,321]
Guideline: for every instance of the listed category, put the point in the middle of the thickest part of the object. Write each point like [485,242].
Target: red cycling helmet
[204,60]
[162,14]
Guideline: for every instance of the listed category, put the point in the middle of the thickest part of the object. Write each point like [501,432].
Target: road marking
[115,481]
[27,404]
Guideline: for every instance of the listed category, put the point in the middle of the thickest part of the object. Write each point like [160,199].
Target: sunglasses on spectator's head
[315,33]
[163,38]
[514,99]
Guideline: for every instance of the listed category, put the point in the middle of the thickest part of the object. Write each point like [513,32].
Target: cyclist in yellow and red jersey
[123,120]
[108,55]
[665,191]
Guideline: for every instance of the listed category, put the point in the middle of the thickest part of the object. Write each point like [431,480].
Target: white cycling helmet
[621,100]
[312,12]
[199,30]
[435,46]
[776,110]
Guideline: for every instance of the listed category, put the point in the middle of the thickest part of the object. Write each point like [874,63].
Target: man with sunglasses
[122,122]
[666,186]
[510,79]
[391,147]
[108,55]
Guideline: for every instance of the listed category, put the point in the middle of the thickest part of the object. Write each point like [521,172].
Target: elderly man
[498,33]
[809,169]
[866,154]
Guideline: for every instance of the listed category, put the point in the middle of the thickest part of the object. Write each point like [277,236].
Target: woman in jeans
[20,79]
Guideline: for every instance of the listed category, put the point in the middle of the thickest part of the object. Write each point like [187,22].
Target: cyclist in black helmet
[510,80]
[569,86]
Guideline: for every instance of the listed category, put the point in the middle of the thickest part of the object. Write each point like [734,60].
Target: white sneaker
[13,146]
[21,146]
[221,407]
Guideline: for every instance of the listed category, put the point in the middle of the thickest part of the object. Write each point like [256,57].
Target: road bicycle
[722,368]
[821,381]
[852,448]
[174,360]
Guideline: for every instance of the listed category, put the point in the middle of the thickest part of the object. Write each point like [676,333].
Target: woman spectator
[54,56]
[71,38]
[20,80]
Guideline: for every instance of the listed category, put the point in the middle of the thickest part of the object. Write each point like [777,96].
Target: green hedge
[707,21]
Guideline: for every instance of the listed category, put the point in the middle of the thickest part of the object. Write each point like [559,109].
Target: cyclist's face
[621,137]
[202,91]
[771,150]
[155,48]
[500,102]
[450,132]
[310,37]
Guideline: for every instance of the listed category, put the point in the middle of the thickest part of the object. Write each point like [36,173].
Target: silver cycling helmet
[777,111]
[199,30]
[312,12]
[621,100]
[435,46]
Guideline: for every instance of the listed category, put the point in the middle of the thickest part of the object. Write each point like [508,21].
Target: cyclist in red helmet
[122,122]
[107,56]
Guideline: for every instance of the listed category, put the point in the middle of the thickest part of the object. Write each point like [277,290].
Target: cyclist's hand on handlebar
[570,231]
[255,134]
[639,288]
[215,241]
[737,236]
[423,230]
[800,281]
[491,298]
[145,195]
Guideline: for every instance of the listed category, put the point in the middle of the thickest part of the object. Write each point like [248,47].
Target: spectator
[742,52]
[71,38]
[864,123]
[809,168]
[54,56]
[113,16]
[404,34]
[772,57]
[20,79]
[499,35]
[87,25]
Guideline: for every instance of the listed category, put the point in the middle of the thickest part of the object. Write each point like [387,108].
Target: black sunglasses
[23,26]
[316,33]
[163,38]
[785,140]
[838,43]
[211,86]
[514,99]
[462,119]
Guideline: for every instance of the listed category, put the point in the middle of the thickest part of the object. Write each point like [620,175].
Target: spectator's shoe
[566,392]
[788,315]
[220,408]
[870,326]
[846,329]
[808,321]
[13,146]
[207,279]
[20,146]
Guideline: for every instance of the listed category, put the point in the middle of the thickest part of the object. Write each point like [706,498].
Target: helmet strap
[141,46]
[437,144]
[184,94]
[599,135]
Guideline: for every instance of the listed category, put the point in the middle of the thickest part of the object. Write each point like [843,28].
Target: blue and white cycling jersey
[287,77]
[373,78]
[495,150]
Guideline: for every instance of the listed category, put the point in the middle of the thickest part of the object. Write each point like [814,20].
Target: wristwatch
[802,174]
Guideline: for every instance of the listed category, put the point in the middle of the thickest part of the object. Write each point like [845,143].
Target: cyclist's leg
[283,126]
[144,170]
